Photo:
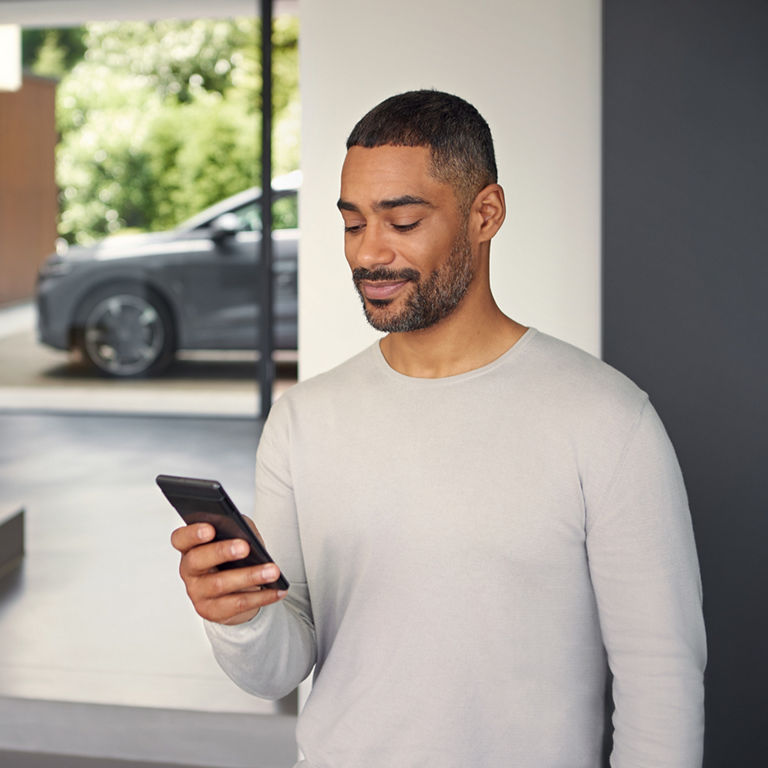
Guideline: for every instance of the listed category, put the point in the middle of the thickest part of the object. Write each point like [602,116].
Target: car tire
[126,331]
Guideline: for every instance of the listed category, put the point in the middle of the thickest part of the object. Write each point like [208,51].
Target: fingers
[200,554]
[189,536]
[226,596]
[203,557]
[215,584]
[233,596]
[240,607]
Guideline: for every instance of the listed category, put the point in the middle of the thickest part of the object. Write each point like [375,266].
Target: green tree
[194,168]
[160,120]
[52,52]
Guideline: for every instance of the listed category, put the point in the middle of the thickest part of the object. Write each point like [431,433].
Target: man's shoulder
[575,362]
[577,379]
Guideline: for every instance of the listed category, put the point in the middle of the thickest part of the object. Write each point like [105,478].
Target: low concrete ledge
[145,735]
[11,540]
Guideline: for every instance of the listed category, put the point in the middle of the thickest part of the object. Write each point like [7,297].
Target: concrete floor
[103,662]
[96,623]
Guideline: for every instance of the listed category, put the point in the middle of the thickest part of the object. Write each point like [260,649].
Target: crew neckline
[420,381]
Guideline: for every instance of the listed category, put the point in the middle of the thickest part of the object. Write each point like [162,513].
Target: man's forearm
[269,655]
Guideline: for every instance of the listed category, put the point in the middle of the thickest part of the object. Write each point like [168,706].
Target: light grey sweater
[464,553]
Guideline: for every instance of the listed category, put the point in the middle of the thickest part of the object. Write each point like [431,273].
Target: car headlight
[55,268]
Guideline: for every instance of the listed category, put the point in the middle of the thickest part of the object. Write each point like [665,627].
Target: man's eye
[353,229]
[406,227]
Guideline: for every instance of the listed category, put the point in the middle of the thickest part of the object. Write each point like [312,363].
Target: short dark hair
[458,137]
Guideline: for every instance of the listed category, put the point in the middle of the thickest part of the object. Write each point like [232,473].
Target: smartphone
[206,501]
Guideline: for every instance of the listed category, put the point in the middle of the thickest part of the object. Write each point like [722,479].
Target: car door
[217,289]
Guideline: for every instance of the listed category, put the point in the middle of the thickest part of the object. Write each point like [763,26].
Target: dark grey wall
[686,305]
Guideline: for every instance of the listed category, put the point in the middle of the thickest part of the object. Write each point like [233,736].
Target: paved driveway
[35,377]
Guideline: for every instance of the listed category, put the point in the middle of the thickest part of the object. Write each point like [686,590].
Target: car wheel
[126,331]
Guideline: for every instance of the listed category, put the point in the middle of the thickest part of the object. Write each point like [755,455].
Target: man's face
[405,239]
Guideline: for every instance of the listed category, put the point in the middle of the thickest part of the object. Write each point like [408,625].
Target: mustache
[390,275]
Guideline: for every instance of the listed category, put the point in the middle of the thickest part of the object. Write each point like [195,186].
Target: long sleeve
[271,654]
[645,574]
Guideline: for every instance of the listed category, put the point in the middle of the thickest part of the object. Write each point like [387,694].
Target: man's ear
[488,212]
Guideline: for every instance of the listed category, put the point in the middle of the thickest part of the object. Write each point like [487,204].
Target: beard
[432,298]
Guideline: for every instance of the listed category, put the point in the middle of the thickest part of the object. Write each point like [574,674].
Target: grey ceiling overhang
[63,13]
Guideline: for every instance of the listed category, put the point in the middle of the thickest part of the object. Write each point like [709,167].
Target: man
[473,515]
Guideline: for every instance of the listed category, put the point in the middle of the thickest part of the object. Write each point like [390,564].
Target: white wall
[532,68]
[10,57]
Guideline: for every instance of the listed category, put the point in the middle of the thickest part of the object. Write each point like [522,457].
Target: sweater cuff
[236,634]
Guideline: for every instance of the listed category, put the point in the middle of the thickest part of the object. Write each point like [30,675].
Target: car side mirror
[226,225]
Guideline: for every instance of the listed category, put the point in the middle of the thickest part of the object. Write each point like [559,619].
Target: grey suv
[130,302]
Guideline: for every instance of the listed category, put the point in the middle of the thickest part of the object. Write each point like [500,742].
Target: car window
[249,216]
[285,214]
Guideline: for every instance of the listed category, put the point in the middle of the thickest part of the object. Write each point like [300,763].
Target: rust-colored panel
[28,194]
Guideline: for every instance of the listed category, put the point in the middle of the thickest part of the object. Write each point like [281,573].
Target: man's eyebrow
[343,205]
[397,202]
[386,205]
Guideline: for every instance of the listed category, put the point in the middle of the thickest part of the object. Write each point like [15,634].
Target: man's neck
[455,345]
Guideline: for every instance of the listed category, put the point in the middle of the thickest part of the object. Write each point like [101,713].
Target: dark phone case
[205,501]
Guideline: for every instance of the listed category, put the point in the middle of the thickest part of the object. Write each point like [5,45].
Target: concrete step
[50,734]
[41,760]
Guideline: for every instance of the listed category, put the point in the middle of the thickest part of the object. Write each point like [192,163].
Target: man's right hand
[231,596]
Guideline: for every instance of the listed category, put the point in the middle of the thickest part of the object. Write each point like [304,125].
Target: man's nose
[374,248]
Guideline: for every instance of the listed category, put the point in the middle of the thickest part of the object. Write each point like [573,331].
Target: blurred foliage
[158,121]
[52,52]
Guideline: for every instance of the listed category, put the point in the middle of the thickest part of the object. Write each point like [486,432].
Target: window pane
[135,351]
